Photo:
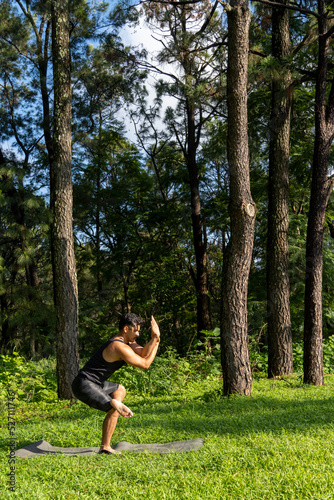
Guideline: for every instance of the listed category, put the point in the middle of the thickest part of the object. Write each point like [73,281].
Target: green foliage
[258,356]
[298,354]
[258,353]
[30,381]
[169,374]
[328,350]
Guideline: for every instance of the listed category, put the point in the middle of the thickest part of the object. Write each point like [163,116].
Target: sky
[141,36]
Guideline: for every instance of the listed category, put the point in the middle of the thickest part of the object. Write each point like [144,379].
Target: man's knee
[122,390]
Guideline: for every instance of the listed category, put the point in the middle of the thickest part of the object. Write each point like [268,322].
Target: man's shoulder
[114,350]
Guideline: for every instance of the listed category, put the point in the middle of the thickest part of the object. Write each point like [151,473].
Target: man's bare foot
[107,450]
[121,408]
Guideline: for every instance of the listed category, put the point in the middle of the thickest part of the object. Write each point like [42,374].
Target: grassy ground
[276,444]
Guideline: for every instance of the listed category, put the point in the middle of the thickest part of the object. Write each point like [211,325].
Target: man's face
[133,332]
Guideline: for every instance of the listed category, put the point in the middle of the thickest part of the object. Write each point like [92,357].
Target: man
[91,385]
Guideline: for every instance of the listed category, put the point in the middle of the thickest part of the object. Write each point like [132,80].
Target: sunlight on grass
[276,444]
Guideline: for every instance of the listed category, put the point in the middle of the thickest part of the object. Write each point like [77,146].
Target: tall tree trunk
[32,284]
[190,152]
[126,293]
[98,211]
[65,279]
[324,130]
[237,260]
[199,237]
[280,360]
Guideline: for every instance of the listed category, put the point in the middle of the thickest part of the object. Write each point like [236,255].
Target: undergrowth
[35,381]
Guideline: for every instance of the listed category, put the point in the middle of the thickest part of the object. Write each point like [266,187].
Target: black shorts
[94,395]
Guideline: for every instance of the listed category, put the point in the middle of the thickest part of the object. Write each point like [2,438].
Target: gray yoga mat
[44,448]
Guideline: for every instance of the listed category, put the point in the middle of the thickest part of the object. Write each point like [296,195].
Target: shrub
[169,373]
[34,381]
[31,381]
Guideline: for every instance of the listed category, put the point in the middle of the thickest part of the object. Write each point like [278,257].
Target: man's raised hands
[155,332]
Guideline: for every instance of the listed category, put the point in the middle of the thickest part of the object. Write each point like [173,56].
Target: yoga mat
[44,448]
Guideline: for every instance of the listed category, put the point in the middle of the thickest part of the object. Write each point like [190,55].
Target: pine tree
[64,266]
[237,260]
[278,289]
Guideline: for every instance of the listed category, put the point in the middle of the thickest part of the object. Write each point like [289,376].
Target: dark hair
[130,319]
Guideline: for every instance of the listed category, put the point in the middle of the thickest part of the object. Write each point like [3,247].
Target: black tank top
[97,369]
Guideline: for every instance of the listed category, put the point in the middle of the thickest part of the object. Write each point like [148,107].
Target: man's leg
[110,421]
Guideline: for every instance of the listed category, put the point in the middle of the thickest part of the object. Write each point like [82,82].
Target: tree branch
[206,22]
[171,2]
[289,6]
[10,42]
[183,149]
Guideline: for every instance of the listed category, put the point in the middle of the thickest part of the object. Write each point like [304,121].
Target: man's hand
[155,332]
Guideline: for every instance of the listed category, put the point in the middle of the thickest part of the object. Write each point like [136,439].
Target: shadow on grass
[241,416]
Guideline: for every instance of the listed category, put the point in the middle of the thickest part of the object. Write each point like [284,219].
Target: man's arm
[146,350]
[141,357]
[131,358]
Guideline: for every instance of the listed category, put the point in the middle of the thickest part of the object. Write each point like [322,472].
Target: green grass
[276,444]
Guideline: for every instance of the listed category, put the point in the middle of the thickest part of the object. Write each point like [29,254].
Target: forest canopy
[154,215]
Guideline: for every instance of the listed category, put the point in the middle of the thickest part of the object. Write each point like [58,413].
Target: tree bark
[65,278]
[324,129]
[98,213]
[237,260]
[280,358]
[199,237]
